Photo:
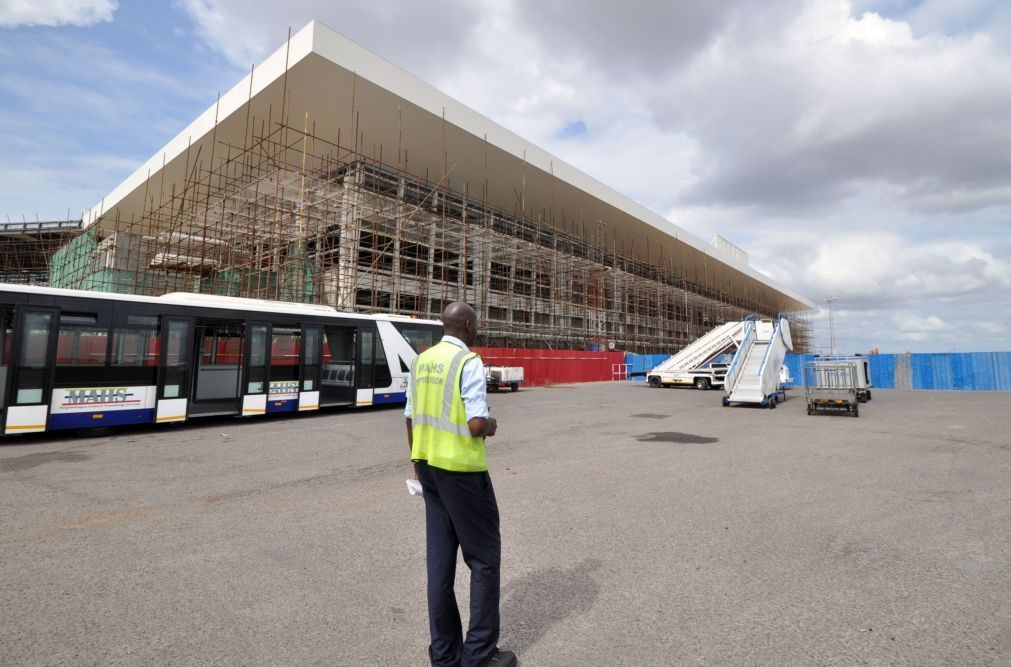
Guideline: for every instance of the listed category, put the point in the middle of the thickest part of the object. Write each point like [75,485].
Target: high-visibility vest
[439,421]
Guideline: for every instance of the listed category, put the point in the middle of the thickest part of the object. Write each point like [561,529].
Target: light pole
[831,324]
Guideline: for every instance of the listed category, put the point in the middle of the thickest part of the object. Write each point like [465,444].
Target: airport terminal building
[330,176]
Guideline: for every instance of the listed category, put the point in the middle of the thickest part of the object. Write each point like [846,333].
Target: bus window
[257,359]
[419,339]
[285,348]
[176,359]
[135,347]
[6,329]
[310,363]
[365,343]
[383,376]
[220,354]
[338,357]
[142,321]
[220,346]
[81,341]
[31,377]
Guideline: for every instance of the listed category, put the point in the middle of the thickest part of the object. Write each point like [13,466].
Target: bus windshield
[420,338]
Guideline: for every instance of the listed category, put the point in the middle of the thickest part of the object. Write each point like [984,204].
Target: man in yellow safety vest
[447,422]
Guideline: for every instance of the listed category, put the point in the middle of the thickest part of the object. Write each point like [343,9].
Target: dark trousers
[461,512]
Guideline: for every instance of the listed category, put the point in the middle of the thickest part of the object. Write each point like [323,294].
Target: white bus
[73,359]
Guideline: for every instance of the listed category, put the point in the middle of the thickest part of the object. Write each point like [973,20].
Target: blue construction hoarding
[946,371]
[640,364]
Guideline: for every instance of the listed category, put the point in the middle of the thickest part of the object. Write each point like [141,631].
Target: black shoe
[500,659]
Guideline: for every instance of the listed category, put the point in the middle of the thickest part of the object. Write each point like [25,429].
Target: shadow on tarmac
[534,603]
[677,438]
[29,461]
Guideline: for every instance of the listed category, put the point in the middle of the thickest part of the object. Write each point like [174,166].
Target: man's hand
[482,427]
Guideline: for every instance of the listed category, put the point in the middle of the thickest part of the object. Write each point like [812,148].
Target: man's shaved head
[460,320]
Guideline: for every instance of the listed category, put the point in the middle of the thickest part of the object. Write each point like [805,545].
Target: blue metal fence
[949,371]
[640,364]
[960,371]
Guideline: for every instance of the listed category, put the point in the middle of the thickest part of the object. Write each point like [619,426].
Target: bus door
[218,367]
[6,338]
[33,350]
[174,369]
[338,379]
[285,365]
[373,372]
[309,393]
[256,364]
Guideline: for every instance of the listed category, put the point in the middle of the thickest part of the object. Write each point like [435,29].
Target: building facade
[341,180]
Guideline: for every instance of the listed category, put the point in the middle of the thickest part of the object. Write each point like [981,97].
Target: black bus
[79,359]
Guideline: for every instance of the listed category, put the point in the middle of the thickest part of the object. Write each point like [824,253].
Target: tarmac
[640,527]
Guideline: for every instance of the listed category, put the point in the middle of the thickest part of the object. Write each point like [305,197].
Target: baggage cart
[504,376]
[831,385]
[863,369]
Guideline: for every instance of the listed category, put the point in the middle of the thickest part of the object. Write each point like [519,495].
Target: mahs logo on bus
[92,396]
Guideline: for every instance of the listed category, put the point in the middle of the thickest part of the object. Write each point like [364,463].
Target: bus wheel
[702,383]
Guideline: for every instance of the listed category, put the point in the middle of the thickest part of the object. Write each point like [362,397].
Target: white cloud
[913,324]
[414,35]
[872,269]
[993,329]
[917,329]
[79,116]
[49,187]
[831,103]
[55,12]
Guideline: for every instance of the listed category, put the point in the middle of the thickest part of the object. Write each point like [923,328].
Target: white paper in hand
[414,487]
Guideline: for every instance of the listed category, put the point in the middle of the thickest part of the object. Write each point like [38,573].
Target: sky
[856,149]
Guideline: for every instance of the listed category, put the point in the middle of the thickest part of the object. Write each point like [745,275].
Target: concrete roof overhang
[345,89]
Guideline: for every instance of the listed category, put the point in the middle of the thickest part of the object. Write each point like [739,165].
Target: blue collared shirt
[473,385]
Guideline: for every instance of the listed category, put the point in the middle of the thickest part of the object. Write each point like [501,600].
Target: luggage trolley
[831,385]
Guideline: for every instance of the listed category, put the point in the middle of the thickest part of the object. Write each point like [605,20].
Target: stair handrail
[707,349]
[769,376]
[710,351]
[781,317]
[730,379]
[765,358]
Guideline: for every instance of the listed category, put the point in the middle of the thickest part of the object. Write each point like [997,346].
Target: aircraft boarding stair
[704,349]
[755,370]
[694,364]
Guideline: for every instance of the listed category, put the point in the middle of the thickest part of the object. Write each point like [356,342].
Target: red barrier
[542,367]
